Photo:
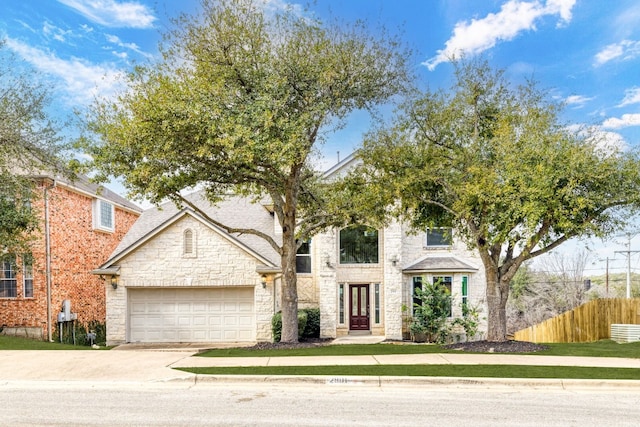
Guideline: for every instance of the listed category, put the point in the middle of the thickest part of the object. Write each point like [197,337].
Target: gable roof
[233,211]
[83,185]
[439,264]
[341,167]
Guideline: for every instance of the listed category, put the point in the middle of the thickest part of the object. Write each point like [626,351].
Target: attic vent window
[188,244]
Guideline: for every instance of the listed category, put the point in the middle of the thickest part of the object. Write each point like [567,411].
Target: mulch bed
[471,346]
[497,347]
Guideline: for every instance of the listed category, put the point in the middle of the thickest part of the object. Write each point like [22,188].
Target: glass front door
[359,303]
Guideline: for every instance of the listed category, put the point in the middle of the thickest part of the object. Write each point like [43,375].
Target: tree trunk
[497,296]
[289,282]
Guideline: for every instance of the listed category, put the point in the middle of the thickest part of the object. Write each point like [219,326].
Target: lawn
[604,348]
[465,371]
[17,343]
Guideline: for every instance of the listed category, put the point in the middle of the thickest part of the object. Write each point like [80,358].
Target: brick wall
[76,249]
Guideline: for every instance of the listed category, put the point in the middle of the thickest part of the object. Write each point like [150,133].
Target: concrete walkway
[148,365]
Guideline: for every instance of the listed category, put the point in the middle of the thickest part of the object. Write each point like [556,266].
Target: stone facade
[75,248]
[390,280]
[152,257]
[216,262]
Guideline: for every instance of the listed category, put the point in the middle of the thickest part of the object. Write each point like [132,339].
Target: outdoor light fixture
[394,260]
[114,282]
[264,281]
[326,259]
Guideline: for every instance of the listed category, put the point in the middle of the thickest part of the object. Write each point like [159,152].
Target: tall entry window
[359,245]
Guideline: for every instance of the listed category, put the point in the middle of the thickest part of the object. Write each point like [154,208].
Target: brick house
[80,225]
[177,277]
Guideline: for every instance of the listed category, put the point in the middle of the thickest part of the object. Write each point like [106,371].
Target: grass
[466,371]
[604,348]
[18,343]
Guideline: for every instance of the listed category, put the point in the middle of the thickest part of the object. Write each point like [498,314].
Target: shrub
[430,315]
[312,330]
[81,332]
[276,324]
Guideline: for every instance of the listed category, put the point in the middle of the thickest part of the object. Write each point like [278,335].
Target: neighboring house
[179,278]
[80,226]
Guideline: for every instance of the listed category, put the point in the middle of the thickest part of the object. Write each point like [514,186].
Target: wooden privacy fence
[589,322]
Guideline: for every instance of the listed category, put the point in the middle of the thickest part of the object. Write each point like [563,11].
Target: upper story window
[359,245]
[439,237]
[27,275]
[8,284]
[103,215]
[303,257]
[188,243]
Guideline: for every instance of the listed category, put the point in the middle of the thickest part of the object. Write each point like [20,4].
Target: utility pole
[628,253]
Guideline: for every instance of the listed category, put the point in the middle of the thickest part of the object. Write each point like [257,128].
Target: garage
[191,315]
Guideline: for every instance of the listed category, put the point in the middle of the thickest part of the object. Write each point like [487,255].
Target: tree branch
[230,230]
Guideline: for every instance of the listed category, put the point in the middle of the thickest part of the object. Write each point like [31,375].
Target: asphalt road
[210,404]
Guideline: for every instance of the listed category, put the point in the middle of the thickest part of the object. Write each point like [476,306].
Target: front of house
[177,277]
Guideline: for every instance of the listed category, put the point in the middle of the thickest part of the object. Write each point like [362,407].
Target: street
[215,404]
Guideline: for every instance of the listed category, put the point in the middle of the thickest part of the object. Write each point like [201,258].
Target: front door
[359,303]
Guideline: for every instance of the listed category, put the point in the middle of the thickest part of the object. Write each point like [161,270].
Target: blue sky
[586,52]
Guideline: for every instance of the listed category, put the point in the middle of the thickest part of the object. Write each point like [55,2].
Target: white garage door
[191,315]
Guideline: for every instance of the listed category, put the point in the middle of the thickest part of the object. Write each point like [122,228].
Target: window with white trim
[303,257]
[103,215]
[27,276]
[8,283]
[439,237]
[359,245]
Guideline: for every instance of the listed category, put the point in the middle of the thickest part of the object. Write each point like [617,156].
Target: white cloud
[56,33]
[577,100]
[606,142]
[626,49]
[514,17]
[282,5]
[131,46]
[81,81]
[631,96]
[112,13]
[610,142]
[627,120]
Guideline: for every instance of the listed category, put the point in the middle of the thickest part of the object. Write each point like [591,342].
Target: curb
[440,382]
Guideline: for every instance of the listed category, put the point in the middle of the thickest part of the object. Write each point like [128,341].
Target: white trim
[97,215]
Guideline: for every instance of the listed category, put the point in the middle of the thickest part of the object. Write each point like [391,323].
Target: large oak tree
[496,162]
[239,102]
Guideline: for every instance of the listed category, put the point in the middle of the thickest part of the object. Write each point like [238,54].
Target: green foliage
[470,320]
[431,313]
[237,104]
[312,328]
[81,331]
[29,144]
[276,325]
[495,161]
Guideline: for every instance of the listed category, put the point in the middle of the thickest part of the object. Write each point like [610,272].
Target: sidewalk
[145,366]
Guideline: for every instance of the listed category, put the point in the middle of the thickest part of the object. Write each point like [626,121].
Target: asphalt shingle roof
[233,211]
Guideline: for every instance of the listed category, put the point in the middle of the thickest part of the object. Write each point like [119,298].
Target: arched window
[359,245]
[188,243]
